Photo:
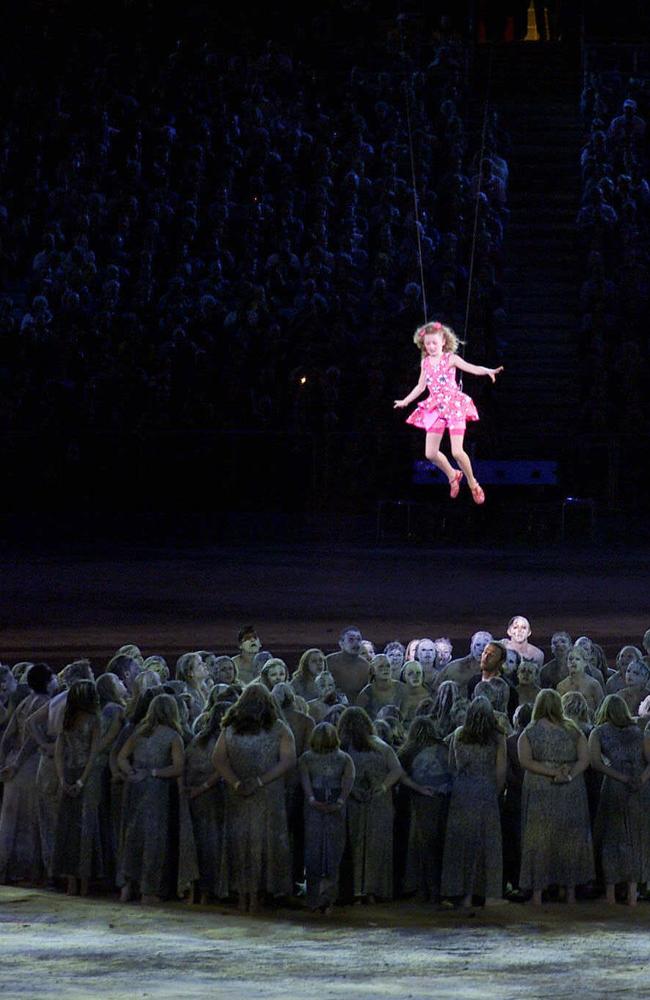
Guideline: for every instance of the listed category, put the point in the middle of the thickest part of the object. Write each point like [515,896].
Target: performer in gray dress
[370,813]
[472,863]
[207,796]
[620,751]
[20,842]
[253,753]
[157,847]
[327,775]
[78,854]
[556,840]
[425,758]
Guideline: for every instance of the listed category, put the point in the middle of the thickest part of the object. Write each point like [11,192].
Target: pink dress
[446,405]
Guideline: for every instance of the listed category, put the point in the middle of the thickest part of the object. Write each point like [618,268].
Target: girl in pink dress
[446,407]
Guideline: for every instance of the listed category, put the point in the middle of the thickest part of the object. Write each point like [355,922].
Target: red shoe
[478,496]
[454,484]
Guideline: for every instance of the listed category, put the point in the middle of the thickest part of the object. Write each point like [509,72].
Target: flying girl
[446,407]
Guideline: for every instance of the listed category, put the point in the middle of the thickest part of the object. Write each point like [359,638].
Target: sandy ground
[71,949]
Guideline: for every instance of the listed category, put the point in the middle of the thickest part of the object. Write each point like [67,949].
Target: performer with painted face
[249,646]
[416,690]
[349,668]
[395,652]
[425,654]
[519,632]
[446,407]
[579,680]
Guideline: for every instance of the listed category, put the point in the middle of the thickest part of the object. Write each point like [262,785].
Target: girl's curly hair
[450,342]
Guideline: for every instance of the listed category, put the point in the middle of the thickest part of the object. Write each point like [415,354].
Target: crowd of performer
[361,776]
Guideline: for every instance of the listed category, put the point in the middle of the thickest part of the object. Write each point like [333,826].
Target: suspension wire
[416,206]
[470,278]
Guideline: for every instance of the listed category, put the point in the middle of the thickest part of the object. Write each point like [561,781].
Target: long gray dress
[47,789]
[20,842]
[257,835]
[324,832]
[301,726]
[208,817]
[472,862]
[118,786]
[158,849]
[556,834]
[622,830]
[101,791]
[80,848]
[370,816]
[428,821]
[5,716]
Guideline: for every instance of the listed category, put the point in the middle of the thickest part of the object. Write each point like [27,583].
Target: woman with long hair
[254,752]
[144,681]
[511,806]
[425,758]
[8,685]
[274,671]
[472,863]
[118,779]
[327,776]
[80,852]
[449,709]
[221,694]
[301,725]
[207,800]
[370,814]
[620,751]
[381,689]
[20,842]
[556,839]
[224,672]
[112,695]
[311,663]
[191,669]
[157,848]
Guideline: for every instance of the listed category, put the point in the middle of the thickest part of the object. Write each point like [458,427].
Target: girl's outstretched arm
[476,369]
[417,391]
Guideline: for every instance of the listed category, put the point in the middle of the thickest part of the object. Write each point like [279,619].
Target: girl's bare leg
[610,897]
[462,457]
[631,893]
[537,897]
[433,453]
